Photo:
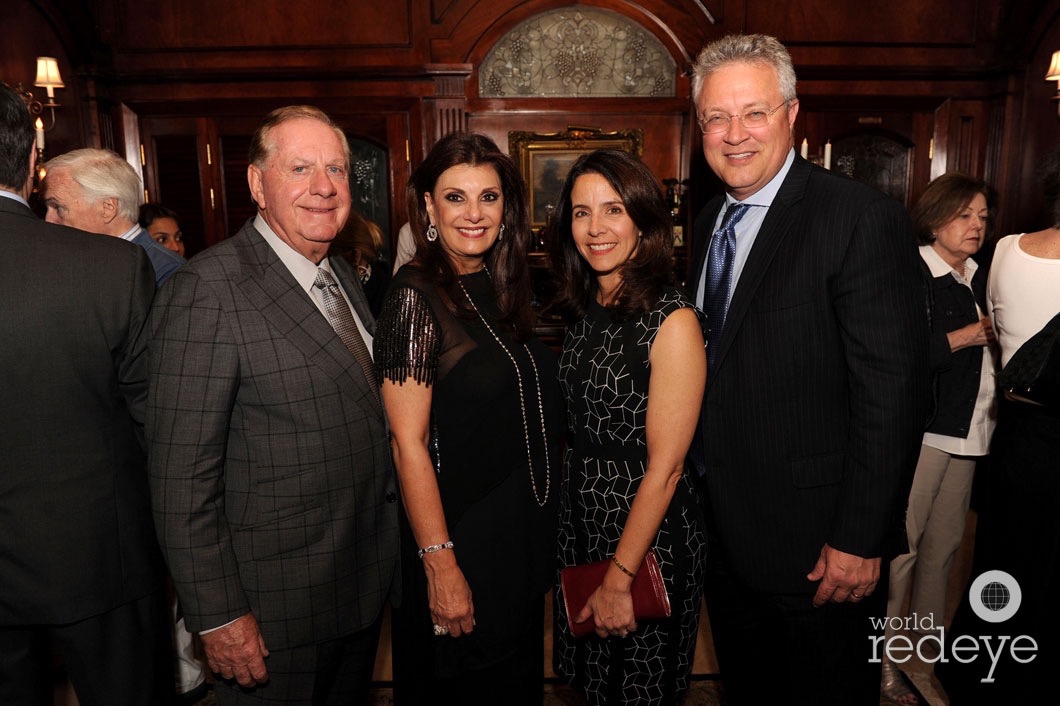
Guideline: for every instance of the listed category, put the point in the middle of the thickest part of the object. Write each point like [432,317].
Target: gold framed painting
[545,158]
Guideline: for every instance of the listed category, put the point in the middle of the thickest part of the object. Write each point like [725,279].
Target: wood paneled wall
[960,80]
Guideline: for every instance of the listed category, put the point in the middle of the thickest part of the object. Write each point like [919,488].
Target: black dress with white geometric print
[604,371]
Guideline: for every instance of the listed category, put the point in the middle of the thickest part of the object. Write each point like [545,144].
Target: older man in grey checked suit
[269,463]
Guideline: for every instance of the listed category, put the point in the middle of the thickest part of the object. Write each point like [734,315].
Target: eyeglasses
[719,122]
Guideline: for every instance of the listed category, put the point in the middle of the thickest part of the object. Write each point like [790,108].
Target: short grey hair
[103,174]
[758,49]
[262,146]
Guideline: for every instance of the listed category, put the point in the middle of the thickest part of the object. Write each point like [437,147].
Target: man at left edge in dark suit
[270,469]
[80,571]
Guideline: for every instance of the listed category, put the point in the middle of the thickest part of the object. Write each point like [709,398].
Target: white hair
[103,174]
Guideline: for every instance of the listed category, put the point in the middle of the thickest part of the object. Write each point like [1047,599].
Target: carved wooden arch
[578,51]
[73,23]
[658,24]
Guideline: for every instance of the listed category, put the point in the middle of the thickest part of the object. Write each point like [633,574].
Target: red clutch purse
[577,583]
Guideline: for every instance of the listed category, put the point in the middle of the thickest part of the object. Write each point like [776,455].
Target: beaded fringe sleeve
[407,340]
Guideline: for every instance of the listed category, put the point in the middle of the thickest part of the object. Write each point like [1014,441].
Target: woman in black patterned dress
[633,369]
[476,418]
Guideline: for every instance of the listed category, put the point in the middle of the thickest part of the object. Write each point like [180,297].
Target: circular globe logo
[995,596]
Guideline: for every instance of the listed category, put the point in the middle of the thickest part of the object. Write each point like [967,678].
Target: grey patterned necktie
[341,319]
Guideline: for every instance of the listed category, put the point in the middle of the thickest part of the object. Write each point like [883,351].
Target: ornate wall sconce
[1053,74]
[48,78]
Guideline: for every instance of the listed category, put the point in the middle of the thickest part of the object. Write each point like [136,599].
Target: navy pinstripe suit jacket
[815,408]
[269,460]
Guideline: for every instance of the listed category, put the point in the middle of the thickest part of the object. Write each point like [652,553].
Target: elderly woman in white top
[950,221]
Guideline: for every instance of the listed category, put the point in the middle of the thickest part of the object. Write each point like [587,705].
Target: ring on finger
[440,630]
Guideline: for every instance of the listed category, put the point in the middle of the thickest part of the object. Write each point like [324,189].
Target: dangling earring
[500,233]
[432,233]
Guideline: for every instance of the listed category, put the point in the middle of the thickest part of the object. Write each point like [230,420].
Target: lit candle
[828,155]
[805,148]
[40,135]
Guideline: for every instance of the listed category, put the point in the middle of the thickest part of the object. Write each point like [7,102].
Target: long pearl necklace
[541,501]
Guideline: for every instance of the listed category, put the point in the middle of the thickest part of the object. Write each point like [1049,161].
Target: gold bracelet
[622,568]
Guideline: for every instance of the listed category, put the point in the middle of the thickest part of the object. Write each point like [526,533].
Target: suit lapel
[352,286]
[704,230]
[270,287]
[776,227]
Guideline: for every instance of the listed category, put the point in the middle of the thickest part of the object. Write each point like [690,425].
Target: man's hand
[843,577]
[237,651]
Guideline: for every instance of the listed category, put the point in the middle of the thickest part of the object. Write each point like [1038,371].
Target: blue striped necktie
[719,276]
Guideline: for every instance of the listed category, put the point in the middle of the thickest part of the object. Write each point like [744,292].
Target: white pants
[934,522]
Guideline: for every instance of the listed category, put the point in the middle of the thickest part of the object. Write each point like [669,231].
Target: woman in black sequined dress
[476,418]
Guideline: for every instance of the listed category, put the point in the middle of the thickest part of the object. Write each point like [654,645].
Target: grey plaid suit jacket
[816,404]
[269,461]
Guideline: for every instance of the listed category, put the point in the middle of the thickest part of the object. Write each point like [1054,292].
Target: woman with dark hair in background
[950,219]
[476,417]
[361,244]
[161,224]
[633,370]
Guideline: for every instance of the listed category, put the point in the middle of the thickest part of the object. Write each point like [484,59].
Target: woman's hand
[448,594]
[611,608]
[675,395]
[981,333]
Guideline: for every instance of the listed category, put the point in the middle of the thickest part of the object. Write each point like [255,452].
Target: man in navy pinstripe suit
[270,468]
[816,396]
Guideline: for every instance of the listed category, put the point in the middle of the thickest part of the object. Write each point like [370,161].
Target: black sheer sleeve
[407,338]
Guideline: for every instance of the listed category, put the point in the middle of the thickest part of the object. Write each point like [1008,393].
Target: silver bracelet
[434,548]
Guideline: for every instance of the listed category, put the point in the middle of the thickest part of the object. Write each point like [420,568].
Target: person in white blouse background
[1018,528]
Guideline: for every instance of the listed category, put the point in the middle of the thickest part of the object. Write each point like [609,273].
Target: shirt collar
[302,268]
[132,232]
[940,267]
[765,195]
[13,196]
